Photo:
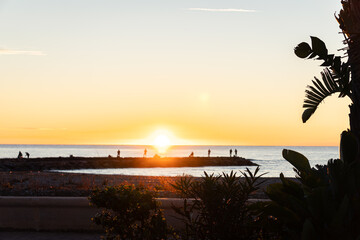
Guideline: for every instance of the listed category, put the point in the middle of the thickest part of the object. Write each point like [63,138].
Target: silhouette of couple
[20,155]
[235,155]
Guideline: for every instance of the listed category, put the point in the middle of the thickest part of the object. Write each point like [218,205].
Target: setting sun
[162,143]
[161,140]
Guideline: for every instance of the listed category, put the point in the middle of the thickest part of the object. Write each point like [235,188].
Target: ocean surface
[268,157]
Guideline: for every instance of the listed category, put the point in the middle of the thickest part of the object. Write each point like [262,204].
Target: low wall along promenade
[61,213]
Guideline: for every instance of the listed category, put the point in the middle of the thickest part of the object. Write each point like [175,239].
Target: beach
[27,183]
[38,176]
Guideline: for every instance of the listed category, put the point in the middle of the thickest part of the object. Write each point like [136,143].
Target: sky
[200,72]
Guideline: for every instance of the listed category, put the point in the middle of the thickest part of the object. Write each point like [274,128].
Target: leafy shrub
[325,202]
[218,208]
[129,212]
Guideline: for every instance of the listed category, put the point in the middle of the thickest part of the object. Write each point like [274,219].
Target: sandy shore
[71,184]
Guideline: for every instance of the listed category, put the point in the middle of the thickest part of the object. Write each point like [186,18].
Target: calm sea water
[268,157]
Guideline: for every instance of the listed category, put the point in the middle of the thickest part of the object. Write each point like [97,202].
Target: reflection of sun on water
[162,143]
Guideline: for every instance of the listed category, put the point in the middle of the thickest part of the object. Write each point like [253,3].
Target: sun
[161,141]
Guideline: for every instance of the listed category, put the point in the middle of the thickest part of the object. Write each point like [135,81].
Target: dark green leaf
[305,105]
[312,55]
[337,64]
[326,82]
[319,47]
[299,161]
[341,213]
[314,103]
[348,147]
[329,61]
[313,96]
[303,50]
[318,92]
[307,114]
[308,232]
[320,86]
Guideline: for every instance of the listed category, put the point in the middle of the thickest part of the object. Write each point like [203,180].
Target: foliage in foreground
[325,202]
[335,78]
[217,207]
[129,212]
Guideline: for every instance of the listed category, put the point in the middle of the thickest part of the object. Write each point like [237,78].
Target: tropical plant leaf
[307,112]
[337,64]
[292,187]
[348,147]
[308,232]
[320,86]
[335,78]
[303,50]
[319,48]
[329,60]
[315,94]
[341,212]
[299,161]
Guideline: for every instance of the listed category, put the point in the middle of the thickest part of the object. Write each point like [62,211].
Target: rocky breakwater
[63,163]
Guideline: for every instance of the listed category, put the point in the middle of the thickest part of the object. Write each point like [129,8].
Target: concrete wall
[60,213]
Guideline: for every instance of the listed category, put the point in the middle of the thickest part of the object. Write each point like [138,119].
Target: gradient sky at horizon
[203,72]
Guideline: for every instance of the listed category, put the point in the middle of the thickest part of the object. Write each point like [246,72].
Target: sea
[269,158]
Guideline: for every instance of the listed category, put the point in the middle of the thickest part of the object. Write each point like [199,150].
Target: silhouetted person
[235,152]
[209,151]
[27,155]
[191,154]
[20,155]
[230,152]
[145,152]
[118,153]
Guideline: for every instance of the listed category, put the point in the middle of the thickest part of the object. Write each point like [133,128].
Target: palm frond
[318,92]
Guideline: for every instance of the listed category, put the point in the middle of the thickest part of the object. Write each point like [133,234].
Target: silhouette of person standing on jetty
[27,155]
[209,151]
[235,153]
[230,152]
[145,152]
[118,153]
[20,155]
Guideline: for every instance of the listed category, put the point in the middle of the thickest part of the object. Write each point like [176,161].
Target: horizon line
[222,10]
[173,145]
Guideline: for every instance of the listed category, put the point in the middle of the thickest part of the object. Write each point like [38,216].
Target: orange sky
[86,72]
